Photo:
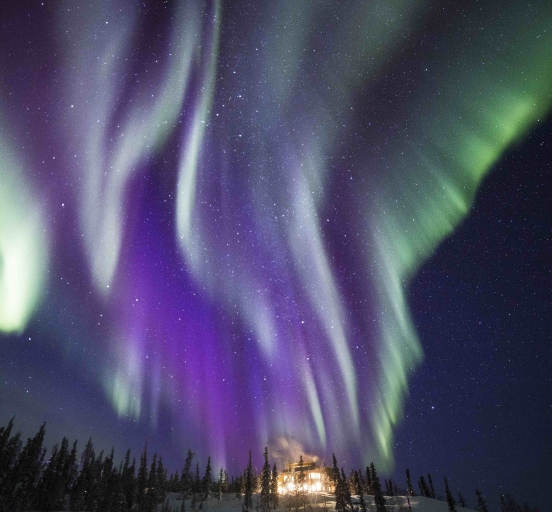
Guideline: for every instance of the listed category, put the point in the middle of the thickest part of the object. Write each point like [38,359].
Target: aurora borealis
[211,212]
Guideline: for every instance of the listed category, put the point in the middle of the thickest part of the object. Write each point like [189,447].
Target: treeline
[368,483]
[29,480]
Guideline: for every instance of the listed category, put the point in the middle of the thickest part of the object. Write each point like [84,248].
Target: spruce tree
[91,497]
[346,491]
[340,503]
[248,485]
[128,482]
[47,488]
[70,469]
[239,487]
[300,485]
[108,488]
[196,485]
[27,470]
[379,500]
[151,493]
[424,489]
[358,491]
[186,476]
[84,478]
[5,433]
[409,483]
[11,447]
[450,500]
[461,500]
[142,480]
[207,480]
[369,489]
[481,506]
[220,486]
[265,482]
[274,498]
[431,488]
[58,477]
[161,480]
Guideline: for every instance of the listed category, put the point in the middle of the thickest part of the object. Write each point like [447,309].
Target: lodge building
[317,479]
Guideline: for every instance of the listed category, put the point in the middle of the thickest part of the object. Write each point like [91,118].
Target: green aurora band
[495,94]
[24,250]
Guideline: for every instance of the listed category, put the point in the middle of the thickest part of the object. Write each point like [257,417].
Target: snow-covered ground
[320,502]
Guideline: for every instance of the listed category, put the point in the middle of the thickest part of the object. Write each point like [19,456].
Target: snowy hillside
[321,502]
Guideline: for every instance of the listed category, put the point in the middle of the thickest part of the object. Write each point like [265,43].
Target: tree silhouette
[450,500]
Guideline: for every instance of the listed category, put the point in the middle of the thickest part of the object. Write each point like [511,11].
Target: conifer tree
[340,501]
[481,505]
[409,483]
[379,500]
[57,478]
[91,498]
[369,489]
[70,469]
[358,491]
[196,486]
[431,488]
[220,487]
[360,479]
[503,506]
[150,501]
[265,482]
[8,458]
[274,498]
[27,470]
[238,484]
[300,485]
[461,500]
[248,485]
[47,489]
[346,491]
[207,480]
[186,476]
[161,481]
[5,433]
[127,482]
[424,489]
[450,500]
[142,480]
[83,481]
[108,495]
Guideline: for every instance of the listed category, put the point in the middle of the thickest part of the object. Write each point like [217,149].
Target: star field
[228,224]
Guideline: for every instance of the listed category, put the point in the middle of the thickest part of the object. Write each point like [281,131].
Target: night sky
[319,226]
